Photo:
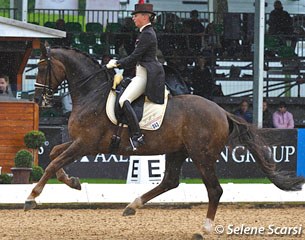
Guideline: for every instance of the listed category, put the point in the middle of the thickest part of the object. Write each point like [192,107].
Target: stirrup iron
[136,141]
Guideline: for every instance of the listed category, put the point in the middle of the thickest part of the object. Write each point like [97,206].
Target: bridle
[47,90]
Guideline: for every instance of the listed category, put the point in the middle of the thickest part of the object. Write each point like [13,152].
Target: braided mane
[93,59]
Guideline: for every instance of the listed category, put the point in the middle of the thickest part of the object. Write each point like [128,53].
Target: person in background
[244,112]
[196,26]
[267,116]
[167,39]
[197,31]
[282,118]
[127,37]
[4,86]
[280,22]
[202,81]
[63,42]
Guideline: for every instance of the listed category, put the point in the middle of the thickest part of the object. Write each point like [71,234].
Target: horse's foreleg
[214,190]
[170,180]
[68,156]
[61,175]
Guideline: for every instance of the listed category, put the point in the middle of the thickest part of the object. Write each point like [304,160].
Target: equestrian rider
[150,77]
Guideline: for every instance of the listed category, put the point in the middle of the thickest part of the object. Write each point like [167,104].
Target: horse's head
[51,73]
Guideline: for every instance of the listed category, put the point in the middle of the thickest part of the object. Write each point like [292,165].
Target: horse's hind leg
[209,178]
[66,157]
[170,180]
[61,175]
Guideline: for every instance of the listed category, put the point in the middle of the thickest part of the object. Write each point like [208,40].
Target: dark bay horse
[193,127]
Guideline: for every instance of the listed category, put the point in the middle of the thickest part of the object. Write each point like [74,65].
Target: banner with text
[235,163]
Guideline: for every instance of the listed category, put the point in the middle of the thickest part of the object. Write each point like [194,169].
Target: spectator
[244,112]
[196,26]
[196,30]
[211,36]
[167,39]
[202,81]
[280,21]
[126,39]
[178,61]
[183,42]
[64,42]
[4,86]
[282,118]
[267,116]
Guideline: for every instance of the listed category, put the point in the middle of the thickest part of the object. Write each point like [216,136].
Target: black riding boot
[137,138]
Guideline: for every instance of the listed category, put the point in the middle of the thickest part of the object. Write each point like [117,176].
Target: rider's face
[3,85]
[140,19]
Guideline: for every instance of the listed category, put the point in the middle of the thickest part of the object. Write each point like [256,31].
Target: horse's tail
[250,137]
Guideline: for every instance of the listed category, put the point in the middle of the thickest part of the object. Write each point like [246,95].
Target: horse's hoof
[29,204]
[197,236]
[76,183]
[129,211]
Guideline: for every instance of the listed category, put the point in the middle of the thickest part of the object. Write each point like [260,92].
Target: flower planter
[21,175]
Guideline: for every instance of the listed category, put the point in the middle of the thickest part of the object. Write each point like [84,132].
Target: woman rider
[149,79]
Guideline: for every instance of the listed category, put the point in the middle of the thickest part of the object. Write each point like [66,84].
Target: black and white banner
[238,163]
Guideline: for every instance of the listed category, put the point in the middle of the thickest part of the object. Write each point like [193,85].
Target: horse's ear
[43,51]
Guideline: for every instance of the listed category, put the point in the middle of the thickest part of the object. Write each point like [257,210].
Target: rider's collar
[141,29]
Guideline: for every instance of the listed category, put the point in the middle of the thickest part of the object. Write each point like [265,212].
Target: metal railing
[8,12]
[245,24]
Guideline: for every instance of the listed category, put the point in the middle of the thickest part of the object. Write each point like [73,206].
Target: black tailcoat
[145,55]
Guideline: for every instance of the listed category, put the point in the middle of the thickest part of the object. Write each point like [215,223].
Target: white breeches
[137,86]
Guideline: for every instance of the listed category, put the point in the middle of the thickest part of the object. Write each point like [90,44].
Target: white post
[24,10]
[258,66]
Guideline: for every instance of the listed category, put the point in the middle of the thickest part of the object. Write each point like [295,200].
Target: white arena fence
[124,193]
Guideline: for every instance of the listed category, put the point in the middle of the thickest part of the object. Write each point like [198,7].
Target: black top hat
[143,8]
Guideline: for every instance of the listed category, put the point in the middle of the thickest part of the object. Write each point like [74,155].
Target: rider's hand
[111,64]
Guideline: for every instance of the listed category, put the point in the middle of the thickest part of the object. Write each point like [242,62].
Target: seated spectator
[4,86]
[178,61]
[267,116]
[202,81]
[244,112]
[64,42]
[282,118]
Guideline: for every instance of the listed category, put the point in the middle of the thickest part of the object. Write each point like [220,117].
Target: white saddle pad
[152,116]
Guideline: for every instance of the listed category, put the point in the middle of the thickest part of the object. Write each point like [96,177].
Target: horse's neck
[88,85]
